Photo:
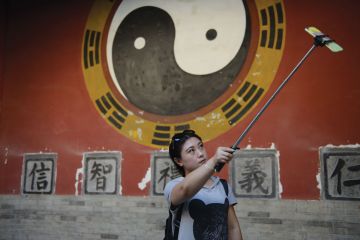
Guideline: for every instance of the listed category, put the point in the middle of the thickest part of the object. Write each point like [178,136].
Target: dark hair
[176,144]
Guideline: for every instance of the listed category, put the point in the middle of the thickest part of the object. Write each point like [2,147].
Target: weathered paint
[146,179]
[79,178]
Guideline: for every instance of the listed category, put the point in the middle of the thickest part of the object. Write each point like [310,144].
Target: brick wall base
[117,217]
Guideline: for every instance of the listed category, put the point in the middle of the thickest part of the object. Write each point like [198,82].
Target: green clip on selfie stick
[320,39]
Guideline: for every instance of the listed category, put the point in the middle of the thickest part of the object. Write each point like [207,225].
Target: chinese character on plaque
[39,173]
[340,173]
[101,172]
[254,173]
[163,171]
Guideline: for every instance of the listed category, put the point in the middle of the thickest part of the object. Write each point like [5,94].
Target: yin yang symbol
[175,57]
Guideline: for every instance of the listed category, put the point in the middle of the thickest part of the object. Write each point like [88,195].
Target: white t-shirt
[204,216]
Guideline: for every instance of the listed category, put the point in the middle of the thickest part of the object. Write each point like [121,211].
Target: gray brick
[68,218]
[76,203]
[7,206]
[7,216]
[108,236]
[259,214]
[319,223]
[265,220]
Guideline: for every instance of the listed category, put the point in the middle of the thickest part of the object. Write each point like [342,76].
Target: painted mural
[170,62]
[92,91]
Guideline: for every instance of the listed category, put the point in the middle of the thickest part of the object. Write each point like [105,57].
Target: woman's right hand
[223,154]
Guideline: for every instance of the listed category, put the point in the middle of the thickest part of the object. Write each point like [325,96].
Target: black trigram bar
[271,17]
[91,48]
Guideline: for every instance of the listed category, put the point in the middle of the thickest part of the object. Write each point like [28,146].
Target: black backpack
[168,227]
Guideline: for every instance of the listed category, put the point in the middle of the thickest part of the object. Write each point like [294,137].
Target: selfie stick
[319,40]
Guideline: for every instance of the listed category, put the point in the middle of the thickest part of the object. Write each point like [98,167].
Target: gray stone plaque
[39,171]
[254,173]
[340,173]
[162,171]
[101,172]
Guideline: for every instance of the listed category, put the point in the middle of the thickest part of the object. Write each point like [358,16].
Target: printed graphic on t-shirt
[209,220]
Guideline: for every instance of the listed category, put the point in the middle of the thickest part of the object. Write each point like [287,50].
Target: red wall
[46,107]
[3,19]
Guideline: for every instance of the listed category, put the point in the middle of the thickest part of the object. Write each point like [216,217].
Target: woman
[206,205]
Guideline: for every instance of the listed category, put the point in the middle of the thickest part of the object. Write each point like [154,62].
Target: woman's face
[193,155]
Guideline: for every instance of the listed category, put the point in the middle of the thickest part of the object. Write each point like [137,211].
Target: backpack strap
[177,221]
[225,185]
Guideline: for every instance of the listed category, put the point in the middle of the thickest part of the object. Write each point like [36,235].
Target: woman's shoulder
[173,182]
[170,185]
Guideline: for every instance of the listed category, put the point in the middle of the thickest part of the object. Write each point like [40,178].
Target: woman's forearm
[235,234]
[193,182]
[234,226]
